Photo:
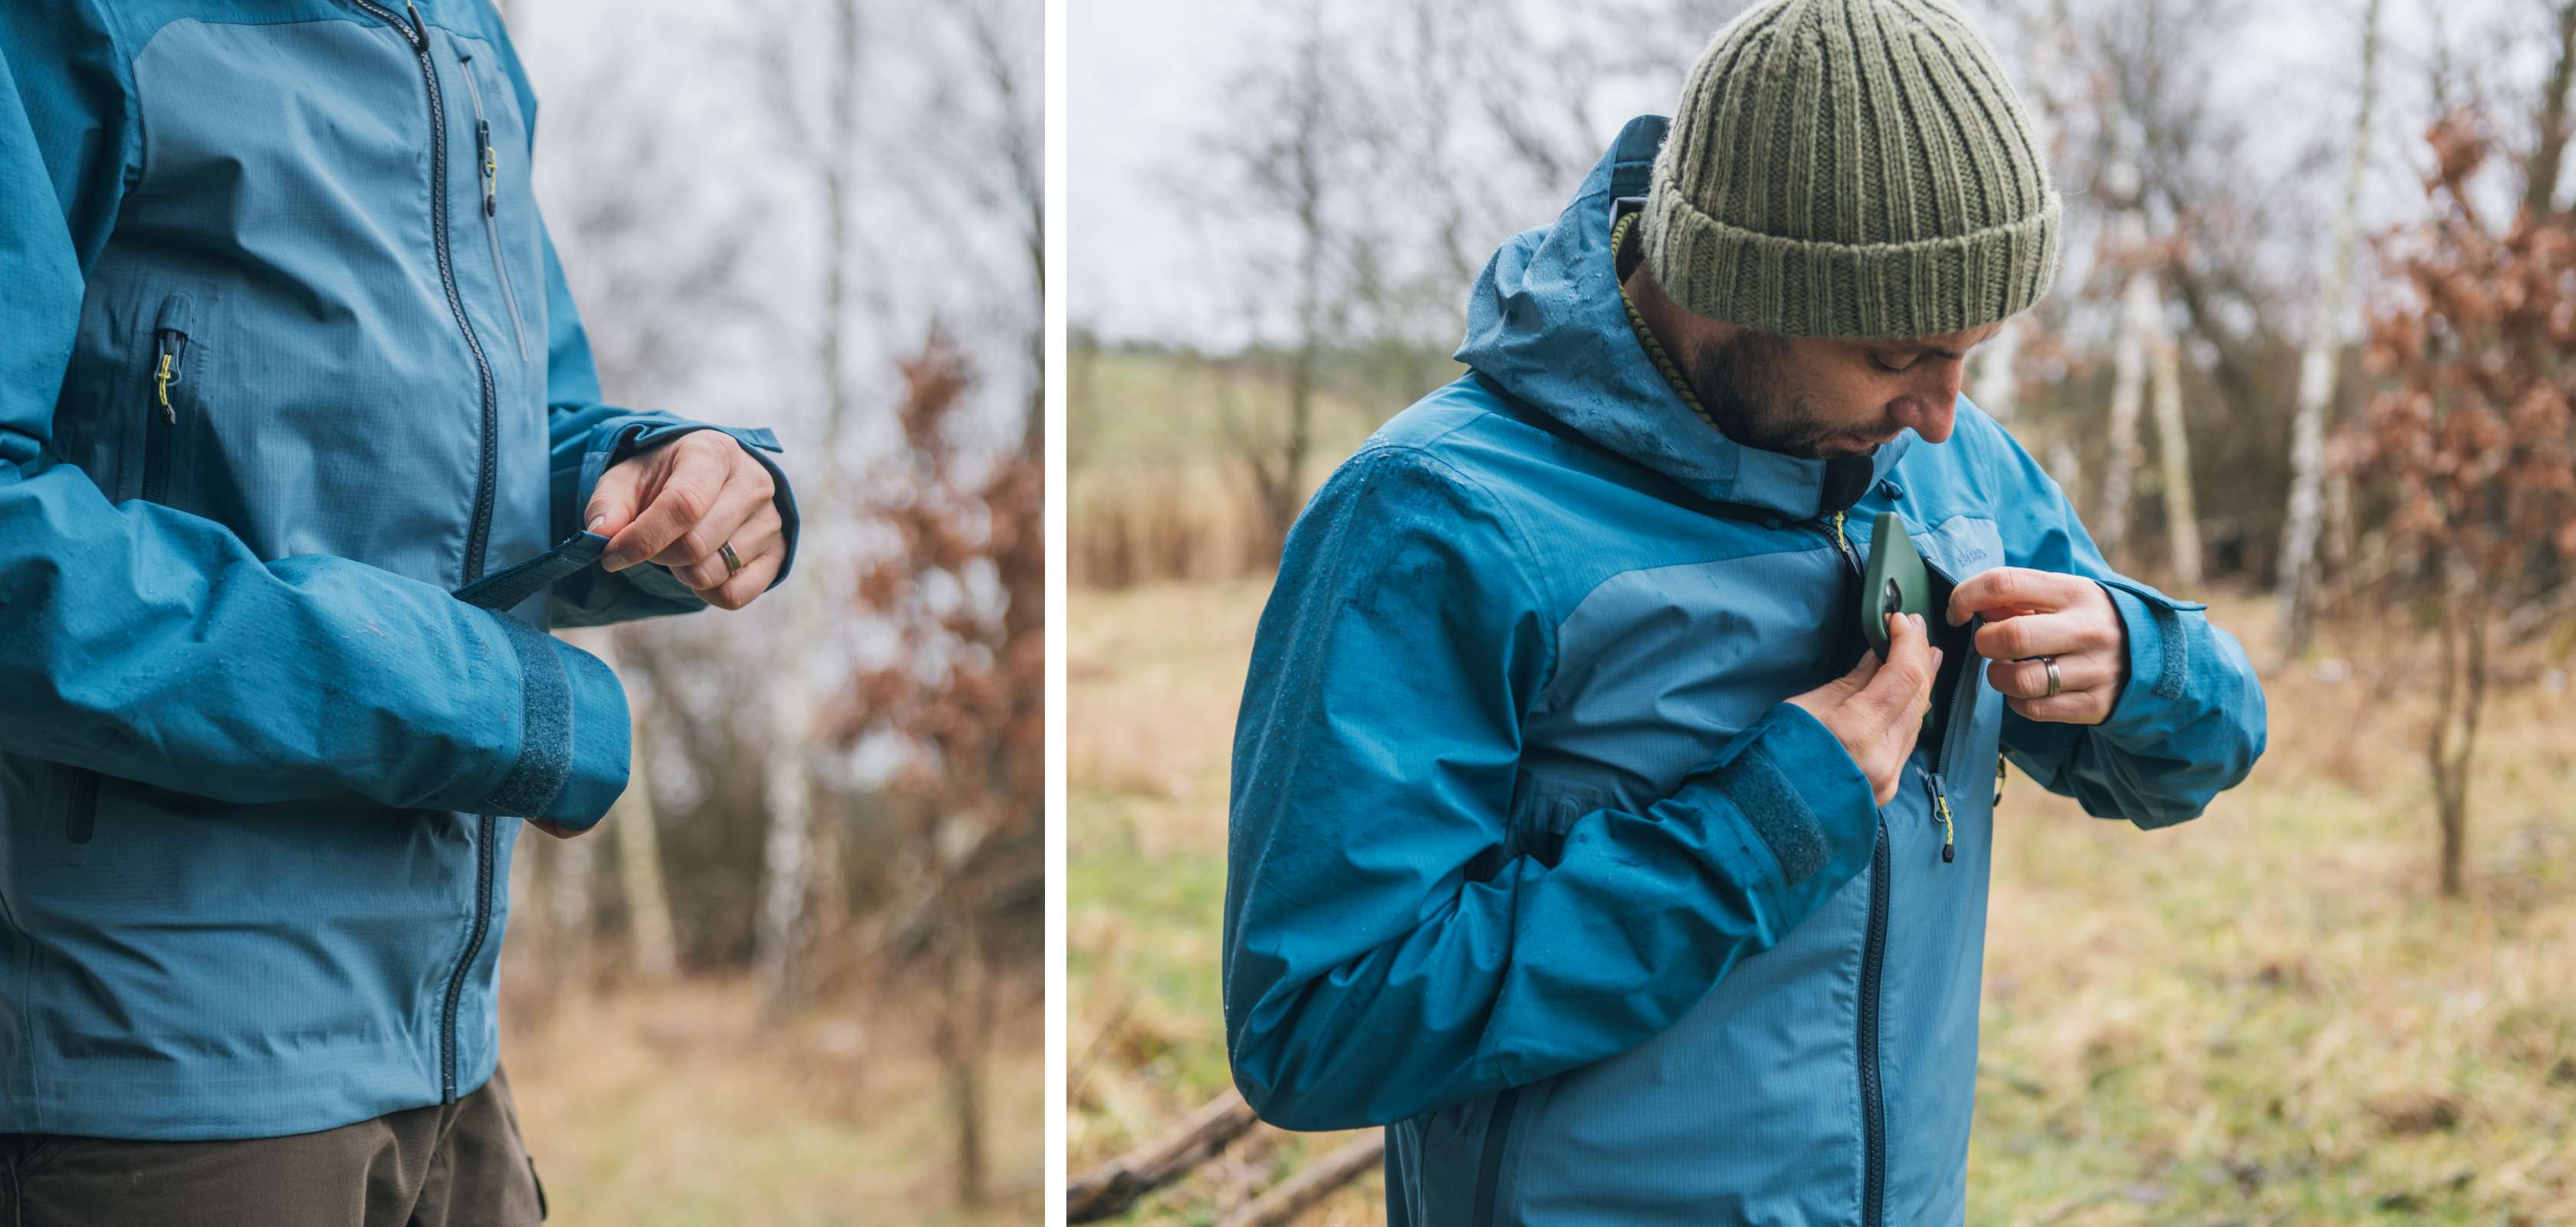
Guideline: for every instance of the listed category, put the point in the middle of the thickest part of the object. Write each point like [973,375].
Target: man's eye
[1885,365]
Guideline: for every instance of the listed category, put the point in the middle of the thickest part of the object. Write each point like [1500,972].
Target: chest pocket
[1968,724]
[503,208]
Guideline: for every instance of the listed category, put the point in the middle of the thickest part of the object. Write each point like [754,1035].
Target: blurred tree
[2472,440]
[2298,565]
[2141,330]
[635,828]
[2173,454]
[799,852]
[2552,129]
[2164,131]
[964,692]
[1290,150]
[621,200]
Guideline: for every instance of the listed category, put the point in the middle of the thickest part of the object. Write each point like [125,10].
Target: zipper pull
[419,29]
[1838,532]
[1941,814]
[491,163]
[161,381]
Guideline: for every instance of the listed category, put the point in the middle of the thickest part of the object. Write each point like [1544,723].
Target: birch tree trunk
[2298,570]
[2173,450]
[1998,392]
[780,938]
[2066,466]
[778,941]
[2128,392]
[635,820]
[630,825]
[568,900]
[1998,379]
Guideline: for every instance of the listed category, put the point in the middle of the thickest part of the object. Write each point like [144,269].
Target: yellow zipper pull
[1838,531]
[161,380]
[1949,834]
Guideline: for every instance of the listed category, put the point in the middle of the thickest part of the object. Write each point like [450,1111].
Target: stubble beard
[1745,385]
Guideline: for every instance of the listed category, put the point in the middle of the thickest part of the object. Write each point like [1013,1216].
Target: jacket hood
[1545,322]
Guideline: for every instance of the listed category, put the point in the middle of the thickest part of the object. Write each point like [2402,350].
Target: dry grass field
[666,1107]
[2265,1016]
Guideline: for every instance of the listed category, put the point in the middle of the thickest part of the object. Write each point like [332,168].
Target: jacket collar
[1546,324]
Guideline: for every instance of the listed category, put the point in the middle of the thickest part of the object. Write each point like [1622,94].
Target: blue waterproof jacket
[1530,861]
[294,411]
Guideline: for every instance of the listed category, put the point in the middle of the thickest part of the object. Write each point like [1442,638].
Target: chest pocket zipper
[1954,723]
[487,162]
[161,415]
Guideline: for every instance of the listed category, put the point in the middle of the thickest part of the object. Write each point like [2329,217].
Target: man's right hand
[1877,709]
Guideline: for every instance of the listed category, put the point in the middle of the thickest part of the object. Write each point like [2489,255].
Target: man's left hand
[2030,614]
[679,503]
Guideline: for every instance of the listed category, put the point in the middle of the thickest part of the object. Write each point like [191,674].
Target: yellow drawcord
[1646,336]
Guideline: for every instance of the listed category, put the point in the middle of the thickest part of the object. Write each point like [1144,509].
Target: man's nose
[1932,408]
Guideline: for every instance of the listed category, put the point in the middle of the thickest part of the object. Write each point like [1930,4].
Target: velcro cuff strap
[545,748]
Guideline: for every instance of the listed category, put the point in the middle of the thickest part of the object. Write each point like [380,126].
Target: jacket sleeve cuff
[2158,646]
[621,438]
[1792,782]
[574,739]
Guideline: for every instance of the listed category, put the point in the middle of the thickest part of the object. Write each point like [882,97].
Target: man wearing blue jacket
[301,452]
[1577,837]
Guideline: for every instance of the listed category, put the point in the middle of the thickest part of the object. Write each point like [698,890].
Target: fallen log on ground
[1299,1193]
[1115,1186]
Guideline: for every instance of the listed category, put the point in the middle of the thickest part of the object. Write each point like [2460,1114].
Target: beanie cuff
[1798,287]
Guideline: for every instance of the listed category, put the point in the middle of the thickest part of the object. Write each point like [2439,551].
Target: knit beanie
[1851,168]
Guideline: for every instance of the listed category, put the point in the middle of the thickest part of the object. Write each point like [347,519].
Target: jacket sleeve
[1386,952]
[150,644]
[2189,722]
[588,436]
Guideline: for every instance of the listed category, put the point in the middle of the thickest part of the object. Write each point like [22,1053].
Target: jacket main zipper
[1873,1100]
[1873,960]
[488,158]
[1489,1165]
[478,533]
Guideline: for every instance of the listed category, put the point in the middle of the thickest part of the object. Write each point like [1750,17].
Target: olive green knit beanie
[1853,168]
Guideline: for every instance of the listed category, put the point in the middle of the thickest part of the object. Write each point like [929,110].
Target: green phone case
[1894,582]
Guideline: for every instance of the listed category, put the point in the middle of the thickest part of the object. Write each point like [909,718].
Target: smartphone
[1894,582]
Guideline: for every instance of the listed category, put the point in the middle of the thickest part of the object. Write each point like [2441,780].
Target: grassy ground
[1158,444]
[667,1108]
[2265,1016]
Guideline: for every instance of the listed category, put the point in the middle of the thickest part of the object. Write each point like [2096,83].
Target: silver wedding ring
[733,563]
[2053,680]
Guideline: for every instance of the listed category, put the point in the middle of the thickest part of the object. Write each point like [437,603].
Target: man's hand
[696,493]
[2042,613]
[1877,710]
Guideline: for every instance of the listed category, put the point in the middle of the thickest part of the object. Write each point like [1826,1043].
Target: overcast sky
[1145,81]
